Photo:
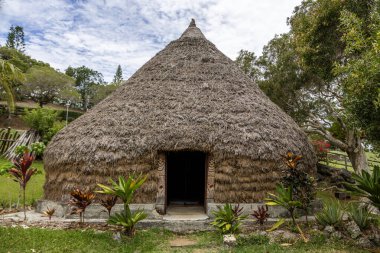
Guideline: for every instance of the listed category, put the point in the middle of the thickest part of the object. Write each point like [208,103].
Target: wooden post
[161,187]
[210,186]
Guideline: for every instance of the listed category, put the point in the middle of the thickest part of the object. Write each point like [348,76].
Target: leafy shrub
[228,219]
[284,198]
[44,121]
[261,214]
[20,150]
[360,214]
[38,148]
[331,214]
[79,201]
[22,172]
[300,182]
[125,189]
[366,185]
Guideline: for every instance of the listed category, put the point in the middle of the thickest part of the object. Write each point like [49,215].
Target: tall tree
[118,77]
[85,78]
[44,85]
[16,38]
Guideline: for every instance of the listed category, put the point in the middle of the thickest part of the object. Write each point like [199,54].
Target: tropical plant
[8,74]
[301,183]
[261,214]
[22,149]
[284,198]
[49,212]
[79,201]
[360,214]
[125,189]
[38,148]
[331,213]
[128,220]
[228,219]
[22,172]
[366,185]
[108,203]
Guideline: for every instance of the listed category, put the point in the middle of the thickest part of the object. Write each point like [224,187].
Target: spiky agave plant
[79,201]
[22,172]
[108,203]
[228,219]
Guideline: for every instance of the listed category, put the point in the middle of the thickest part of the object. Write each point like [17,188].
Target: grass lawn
[9,189]
[151,240]
[373,159]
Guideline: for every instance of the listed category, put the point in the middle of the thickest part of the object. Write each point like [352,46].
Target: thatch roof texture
[190,96]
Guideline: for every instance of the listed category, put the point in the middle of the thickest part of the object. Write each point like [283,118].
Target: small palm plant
[22,172]
[125,189]
[228,219]
[79,201]
[284,198]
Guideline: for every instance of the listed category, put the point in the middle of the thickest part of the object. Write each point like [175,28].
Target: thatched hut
[192,121]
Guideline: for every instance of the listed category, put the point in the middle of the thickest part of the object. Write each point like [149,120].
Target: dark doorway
[185,178]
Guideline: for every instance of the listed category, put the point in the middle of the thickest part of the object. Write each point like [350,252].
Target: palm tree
[8,74]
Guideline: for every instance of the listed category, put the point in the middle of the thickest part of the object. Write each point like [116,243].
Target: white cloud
[103,34]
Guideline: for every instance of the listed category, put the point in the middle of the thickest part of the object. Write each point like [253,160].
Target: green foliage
[8,75]
[45,85]
[361,214]
[331,214]
[228,219]
[118,77]
[38,148]
[125,189]
[18,59]
[276,225]
[20,150]
[301,183]
[44,121]
[284,198]
[247,62]
[16,38]
[85,78]
[127,220]
[100,92]
[4,167]
[367,185]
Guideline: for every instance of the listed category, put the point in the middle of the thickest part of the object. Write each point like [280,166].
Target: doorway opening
[186,176]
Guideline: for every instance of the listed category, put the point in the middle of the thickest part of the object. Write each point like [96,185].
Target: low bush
[228,219]
[331,214]
[360,214]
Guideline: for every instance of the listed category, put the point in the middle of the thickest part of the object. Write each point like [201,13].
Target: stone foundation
[96,211]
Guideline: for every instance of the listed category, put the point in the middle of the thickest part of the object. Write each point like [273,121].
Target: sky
[101,34]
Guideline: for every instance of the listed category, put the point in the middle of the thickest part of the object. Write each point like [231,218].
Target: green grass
[373,159]
[10,190]
[151,240]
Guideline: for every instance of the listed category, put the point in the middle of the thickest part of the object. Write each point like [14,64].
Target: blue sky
[102,33]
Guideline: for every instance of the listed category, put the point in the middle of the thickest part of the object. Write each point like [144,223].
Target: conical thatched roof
[189,96]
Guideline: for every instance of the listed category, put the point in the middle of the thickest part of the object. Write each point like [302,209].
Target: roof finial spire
[192,23]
